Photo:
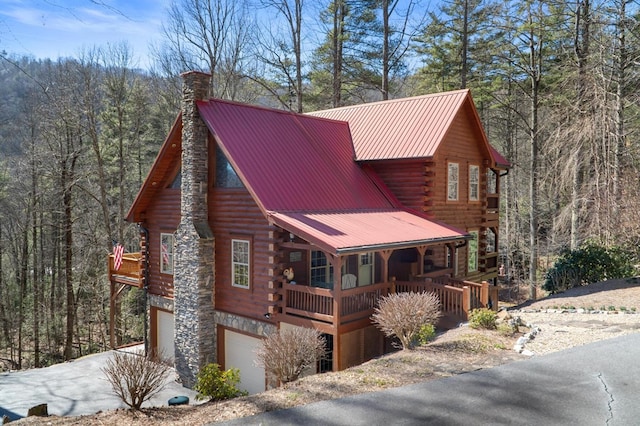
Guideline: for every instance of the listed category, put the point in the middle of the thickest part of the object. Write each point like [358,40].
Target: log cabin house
[254,219]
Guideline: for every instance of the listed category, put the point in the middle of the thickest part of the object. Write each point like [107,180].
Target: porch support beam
[336,262]
[385,254]
[421,251]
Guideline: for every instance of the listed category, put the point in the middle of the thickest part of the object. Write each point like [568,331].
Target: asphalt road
[596,384]
[71,389]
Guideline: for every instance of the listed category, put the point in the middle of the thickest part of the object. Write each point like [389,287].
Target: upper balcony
[130,272]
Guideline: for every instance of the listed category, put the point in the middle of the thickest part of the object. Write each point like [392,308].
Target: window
[176,183]
[240,263]
[474,183]
[321,269]
[491,240]
[452,182]
[472,260]
[365,268]
[167,243]
[226,177]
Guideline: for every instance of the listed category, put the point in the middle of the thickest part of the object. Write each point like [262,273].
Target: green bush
[216,385]
[425,334]
[483,318]
[590,263]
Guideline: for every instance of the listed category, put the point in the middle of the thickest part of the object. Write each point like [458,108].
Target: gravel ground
[583,315]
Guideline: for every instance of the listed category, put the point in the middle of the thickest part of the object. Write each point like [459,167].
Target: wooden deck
[130,273]
[355,306]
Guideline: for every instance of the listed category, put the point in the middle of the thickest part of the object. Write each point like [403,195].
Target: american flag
[118,251]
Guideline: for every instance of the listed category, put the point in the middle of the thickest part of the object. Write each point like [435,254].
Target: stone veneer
[247,325]
[194,278]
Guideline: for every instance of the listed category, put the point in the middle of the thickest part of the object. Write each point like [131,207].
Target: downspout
[145,287]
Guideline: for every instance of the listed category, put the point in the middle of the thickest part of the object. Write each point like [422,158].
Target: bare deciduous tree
[402,315]
[288,352]
[135,378]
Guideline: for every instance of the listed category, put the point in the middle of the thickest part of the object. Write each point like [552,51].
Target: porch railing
[457,299]
[130,272]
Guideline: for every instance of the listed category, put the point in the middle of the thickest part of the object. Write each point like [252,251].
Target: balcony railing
[457,299]
[130,272]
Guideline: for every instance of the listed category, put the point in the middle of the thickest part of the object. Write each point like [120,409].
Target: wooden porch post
[421,250]
[466,301]
[112,308]
[385,254]
[484,294]
[336,261]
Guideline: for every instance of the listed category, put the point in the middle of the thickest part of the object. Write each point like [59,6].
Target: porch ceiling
[361,231]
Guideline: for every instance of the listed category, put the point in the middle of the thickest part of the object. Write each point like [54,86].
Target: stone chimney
[195,330]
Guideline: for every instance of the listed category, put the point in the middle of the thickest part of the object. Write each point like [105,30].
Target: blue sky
[61,28]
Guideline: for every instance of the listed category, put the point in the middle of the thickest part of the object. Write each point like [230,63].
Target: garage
[239,352]
[165,333]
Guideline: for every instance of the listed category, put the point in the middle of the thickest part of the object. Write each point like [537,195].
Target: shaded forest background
[555,83]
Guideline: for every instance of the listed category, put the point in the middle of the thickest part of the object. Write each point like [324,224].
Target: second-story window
[167,241]
[240,255]
[452,182]
[474,183]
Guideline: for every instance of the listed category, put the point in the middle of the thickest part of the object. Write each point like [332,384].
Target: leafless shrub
[135,378]
[288,352]
[402,315]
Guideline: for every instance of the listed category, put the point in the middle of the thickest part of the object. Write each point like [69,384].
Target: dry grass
[453,352]
[457,351]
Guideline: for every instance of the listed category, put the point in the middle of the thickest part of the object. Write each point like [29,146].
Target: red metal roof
[401,128]
[301,171]
[358,231]
[290,161]
[498,159]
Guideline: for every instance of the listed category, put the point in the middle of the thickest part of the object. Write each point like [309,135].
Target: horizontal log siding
[234,214]
[405,179]
[462,145]
[162,216]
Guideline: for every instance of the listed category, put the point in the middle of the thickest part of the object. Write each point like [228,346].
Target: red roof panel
[358,231]
[290,161]
[401,128]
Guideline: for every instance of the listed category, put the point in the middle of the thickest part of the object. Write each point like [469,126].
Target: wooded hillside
[555,83]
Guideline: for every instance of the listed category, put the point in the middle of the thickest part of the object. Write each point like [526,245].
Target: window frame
[327,266]
[241,263]
[455,182]
[472,255]
[168,253]
[474,185]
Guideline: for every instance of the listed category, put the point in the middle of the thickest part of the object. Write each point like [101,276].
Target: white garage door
[239,352]
[165,334]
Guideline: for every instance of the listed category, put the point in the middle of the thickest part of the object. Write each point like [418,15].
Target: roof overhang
[340,233]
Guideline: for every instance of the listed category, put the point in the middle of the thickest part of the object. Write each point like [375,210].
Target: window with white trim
[321,271]
[366,268]
[240,257]
[167,243]
[472,259]
[474,183]
[452,182]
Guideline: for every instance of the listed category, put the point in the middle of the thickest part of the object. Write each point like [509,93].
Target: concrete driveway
[596,384]
[71,389]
